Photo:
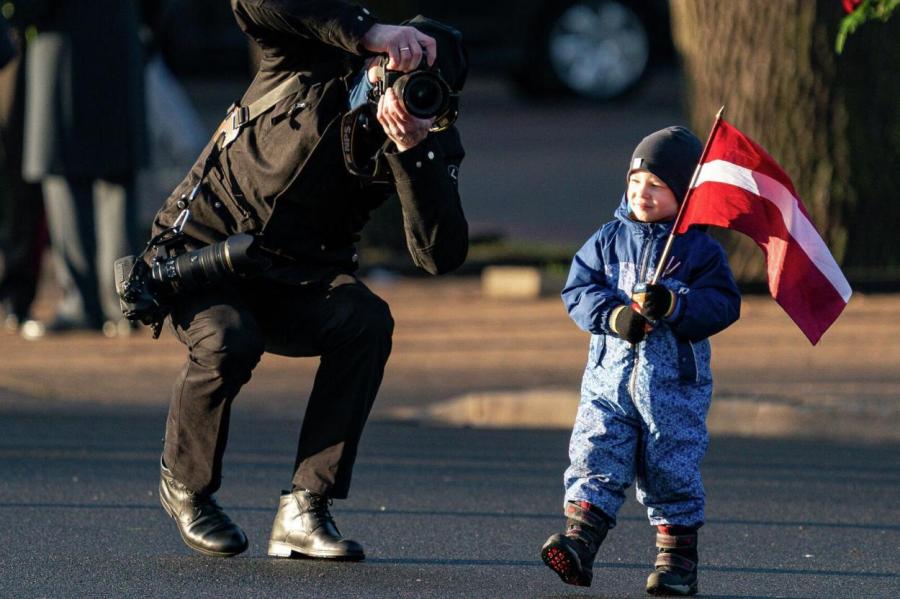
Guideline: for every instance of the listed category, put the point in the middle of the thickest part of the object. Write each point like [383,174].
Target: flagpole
[668,247]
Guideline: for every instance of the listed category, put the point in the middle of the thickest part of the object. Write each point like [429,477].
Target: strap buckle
[240,116]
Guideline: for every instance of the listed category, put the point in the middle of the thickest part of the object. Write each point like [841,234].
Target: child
[647,385]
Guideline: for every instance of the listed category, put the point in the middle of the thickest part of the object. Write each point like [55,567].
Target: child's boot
[676,562]
[571,555]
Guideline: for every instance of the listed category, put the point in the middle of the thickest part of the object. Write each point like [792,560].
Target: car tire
[596,49]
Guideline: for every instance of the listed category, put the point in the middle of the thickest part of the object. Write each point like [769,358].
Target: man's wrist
[423,152]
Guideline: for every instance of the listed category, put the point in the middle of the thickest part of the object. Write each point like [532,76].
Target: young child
[647,385]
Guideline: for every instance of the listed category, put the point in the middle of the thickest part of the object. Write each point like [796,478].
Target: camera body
[145,290]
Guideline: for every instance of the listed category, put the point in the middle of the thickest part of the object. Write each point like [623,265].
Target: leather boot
[676,562]
[204,527]
[571,555]
[304,525]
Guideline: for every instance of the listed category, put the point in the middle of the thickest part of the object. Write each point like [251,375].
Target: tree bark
[832,121]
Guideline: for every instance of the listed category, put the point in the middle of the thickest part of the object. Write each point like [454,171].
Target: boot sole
[668,590]
[673,589]
[196,548]
[564,564]
[279,549]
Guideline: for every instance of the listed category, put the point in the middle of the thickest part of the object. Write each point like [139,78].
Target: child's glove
[654,301]
[629,325]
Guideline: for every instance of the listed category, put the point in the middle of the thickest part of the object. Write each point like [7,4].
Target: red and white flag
[739,186]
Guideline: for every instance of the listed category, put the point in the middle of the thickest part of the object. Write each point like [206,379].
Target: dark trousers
[22,240]
[92,223]
[23,233]
[226,332]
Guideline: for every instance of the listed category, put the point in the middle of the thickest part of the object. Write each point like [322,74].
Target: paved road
[443,513]
[452,344]
[554,170]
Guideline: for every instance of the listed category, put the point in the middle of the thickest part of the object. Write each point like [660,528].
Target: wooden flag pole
[668,247]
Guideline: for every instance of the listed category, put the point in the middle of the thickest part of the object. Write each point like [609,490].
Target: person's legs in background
[73,241]
[22,241]
[91,223]
[115,215]
[23,233]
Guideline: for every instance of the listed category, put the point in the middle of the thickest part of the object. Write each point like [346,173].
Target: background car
[597,49]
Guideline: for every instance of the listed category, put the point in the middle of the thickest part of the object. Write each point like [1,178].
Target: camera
[144,288]
[426,92]
[234,257]
[423,92]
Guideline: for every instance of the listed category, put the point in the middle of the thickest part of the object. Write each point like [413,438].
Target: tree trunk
[832,121]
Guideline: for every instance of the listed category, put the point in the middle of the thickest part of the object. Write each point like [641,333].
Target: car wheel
[597,49]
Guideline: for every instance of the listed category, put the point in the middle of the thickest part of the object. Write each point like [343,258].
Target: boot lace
[318,506]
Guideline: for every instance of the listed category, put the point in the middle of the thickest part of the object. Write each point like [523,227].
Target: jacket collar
[622,213]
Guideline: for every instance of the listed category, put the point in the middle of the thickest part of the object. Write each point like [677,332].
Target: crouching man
[297,168]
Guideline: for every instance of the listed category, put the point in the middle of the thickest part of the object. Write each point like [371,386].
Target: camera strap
[240,116]
[362,142]
[163,240]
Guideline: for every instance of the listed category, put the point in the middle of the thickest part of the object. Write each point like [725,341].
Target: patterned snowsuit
[643,408]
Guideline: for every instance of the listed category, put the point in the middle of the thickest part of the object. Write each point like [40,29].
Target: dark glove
[653,301]
[629,325]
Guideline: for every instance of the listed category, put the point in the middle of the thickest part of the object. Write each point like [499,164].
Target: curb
[728,416]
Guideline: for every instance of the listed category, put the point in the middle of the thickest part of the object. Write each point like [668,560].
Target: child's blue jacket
[602,276]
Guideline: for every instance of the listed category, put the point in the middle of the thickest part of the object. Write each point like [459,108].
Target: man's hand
[405,130]
[654,301]
[403,45]
[629,325]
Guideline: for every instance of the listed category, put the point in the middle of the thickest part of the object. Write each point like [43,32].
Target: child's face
[649,199]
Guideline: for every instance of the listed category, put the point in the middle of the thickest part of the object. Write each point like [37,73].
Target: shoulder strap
[239,116]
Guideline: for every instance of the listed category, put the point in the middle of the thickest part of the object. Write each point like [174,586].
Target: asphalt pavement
[443,512]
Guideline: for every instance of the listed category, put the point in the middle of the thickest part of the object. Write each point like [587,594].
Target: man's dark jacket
[283,178]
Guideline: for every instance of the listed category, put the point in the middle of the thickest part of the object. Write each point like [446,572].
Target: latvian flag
[741,187]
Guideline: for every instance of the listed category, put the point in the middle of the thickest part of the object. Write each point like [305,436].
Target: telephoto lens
[234,257]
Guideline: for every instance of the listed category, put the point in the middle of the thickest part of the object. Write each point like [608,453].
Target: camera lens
[197,269]
[209,265]
[424,94]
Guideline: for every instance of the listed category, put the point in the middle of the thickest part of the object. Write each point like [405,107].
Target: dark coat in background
[82,120]
[84,141]
[7,50]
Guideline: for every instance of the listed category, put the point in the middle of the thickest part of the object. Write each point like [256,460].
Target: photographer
[276,171]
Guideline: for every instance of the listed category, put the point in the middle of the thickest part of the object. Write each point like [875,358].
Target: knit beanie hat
[672,155]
